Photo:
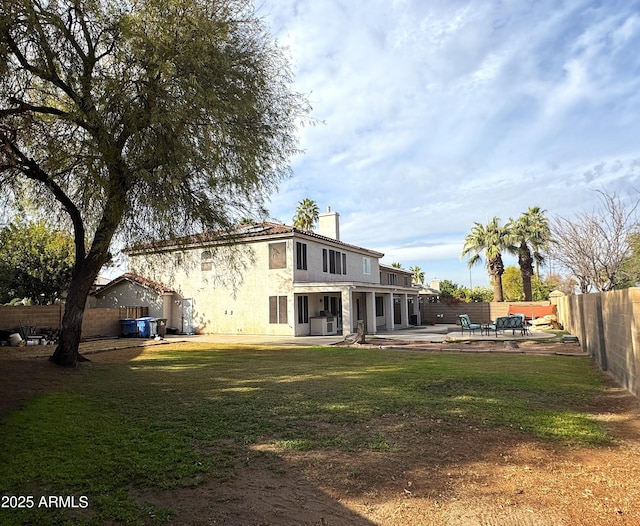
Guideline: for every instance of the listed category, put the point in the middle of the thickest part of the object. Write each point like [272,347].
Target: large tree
[307,214]
[136,119]
[491,240]
[531,236]
[36,262]
[418,275]
[595,246]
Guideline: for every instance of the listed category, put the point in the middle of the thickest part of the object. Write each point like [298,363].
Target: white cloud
[438,114]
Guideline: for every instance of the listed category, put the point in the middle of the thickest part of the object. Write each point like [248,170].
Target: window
[206,260]
[366,266]
[392,279]
[277,309]
[406,281]
[379,306]
[324,260]
[303,309]
[301,256]
[277,255]
[344,263]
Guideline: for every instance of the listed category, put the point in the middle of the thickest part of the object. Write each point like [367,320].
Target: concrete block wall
[608,327]
[40,316]
[479,312]
[101,322]
[96,322]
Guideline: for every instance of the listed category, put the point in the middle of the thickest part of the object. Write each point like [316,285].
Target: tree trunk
[496,269]
[497,287]
[67,352]
[526,270]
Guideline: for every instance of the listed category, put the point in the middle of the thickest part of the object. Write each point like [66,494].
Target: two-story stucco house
[275,279]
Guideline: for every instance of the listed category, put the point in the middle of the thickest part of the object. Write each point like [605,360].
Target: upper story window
[277,255]
[301,256]
[334,261]
[206,260]
[406,281]
[392,278]
[366,265]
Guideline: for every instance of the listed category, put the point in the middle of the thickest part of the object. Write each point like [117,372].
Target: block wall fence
[608,327]
[479,312]
[96,322]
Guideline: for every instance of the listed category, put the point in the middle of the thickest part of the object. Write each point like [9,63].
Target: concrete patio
[422,334]
[440,333]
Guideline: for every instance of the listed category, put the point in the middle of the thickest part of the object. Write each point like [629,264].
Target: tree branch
[32,170]
[24,107]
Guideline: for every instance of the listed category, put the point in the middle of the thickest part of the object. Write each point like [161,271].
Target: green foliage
[531,237]
[490,240]
[478,294]
[140,120]
[631,265]
[179,417]
[418,274]
[513,289]
[527,237]
[541,289]
[452,291]
[512,284]
[36,263]
[306,216]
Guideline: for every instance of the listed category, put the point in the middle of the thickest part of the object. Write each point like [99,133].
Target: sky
[432,115]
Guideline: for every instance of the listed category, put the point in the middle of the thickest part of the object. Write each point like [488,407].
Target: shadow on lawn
[295,437]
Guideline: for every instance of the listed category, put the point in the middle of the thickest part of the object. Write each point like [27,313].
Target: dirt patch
[435,474]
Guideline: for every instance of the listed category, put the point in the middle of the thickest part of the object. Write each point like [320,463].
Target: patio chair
[465,323]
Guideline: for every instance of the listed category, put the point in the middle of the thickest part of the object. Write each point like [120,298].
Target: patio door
[187,316]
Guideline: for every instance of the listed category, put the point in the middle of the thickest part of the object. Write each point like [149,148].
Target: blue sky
[435,114]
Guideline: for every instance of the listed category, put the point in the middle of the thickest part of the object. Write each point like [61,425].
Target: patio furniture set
[512,322]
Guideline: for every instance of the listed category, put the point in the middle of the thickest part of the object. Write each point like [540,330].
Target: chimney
[329,224]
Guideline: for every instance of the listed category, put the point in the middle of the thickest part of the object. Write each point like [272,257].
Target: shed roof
[137,280]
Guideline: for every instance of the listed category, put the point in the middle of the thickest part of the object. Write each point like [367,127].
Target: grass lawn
[186,413]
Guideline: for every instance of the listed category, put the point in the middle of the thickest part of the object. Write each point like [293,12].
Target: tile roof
[138,280]
[242,232]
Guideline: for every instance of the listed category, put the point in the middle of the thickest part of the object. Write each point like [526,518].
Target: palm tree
[531,236]
[418,275]
[396,264]
[306,215]
[492,239]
